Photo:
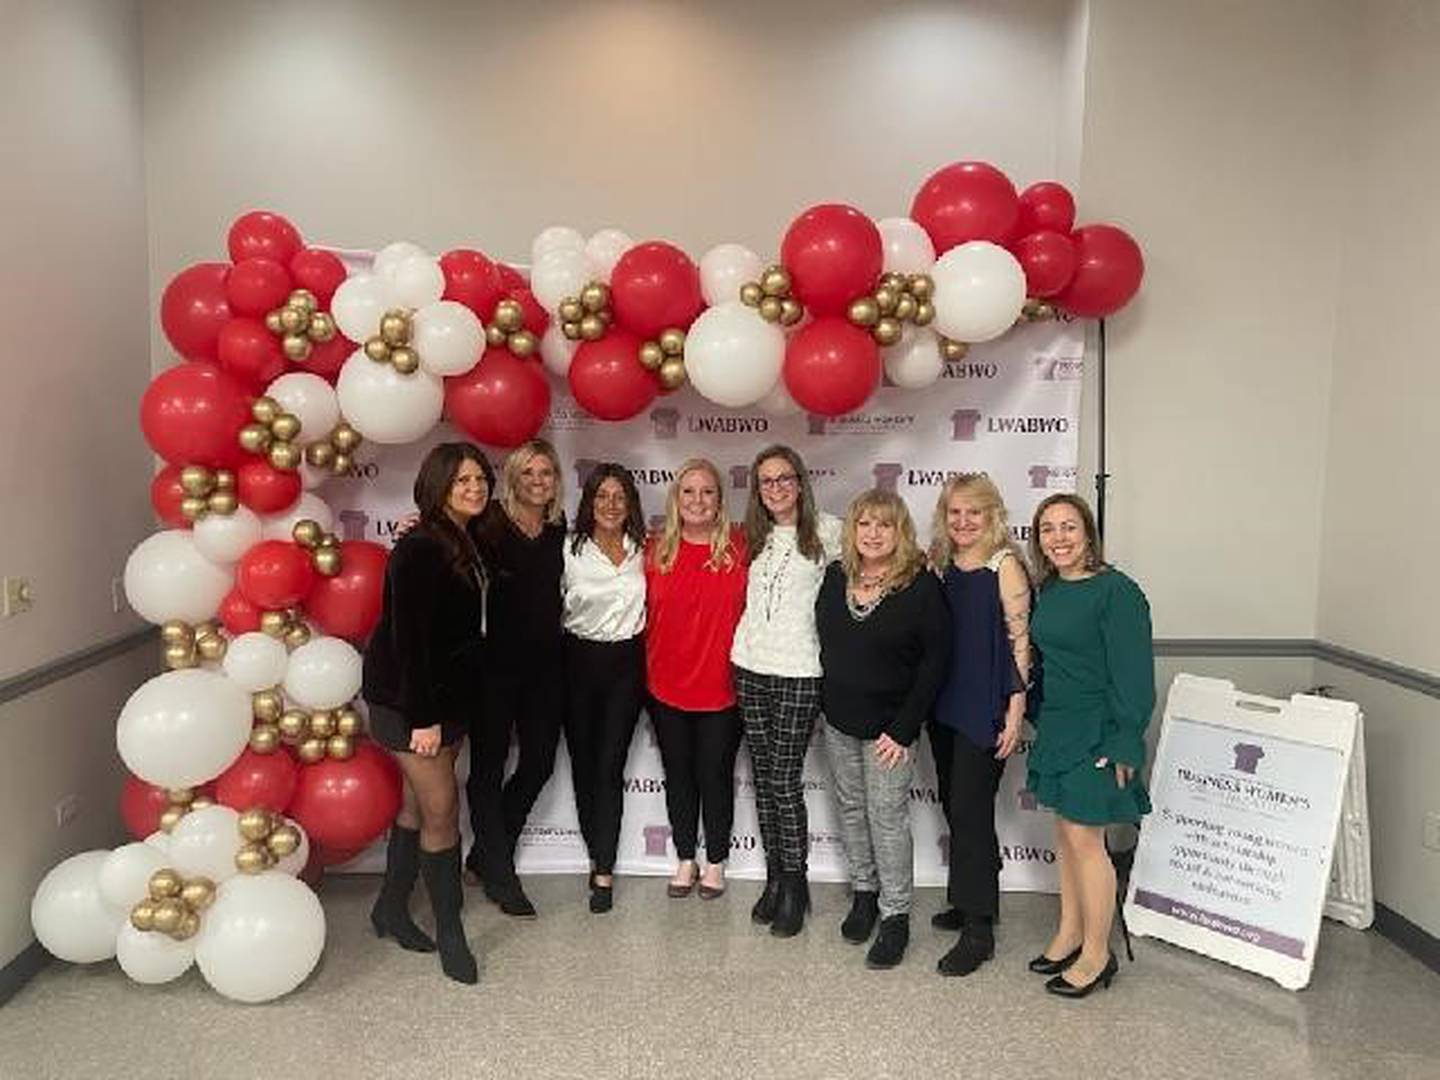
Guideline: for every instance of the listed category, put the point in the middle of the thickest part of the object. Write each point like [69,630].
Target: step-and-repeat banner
[1010,408]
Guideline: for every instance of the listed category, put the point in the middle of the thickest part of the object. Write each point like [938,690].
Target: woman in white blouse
[604,622]
[777,669]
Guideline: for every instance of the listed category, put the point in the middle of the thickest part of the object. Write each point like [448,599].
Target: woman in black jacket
[422,680]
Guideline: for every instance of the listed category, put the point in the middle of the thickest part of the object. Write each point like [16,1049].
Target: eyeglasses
[779,483]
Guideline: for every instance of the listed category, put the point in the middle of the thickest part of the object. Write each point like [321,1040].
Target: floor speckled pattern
[680,989]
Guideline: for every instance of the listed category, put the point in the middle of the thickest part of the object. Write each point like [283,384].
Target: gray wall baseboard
[1415,940]
[18,972]
[72,664]
[1422,682]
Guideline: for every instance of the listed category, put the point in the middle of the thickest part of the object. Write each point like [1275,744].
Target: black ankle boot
[793,901]
[976,945]
[889,947]
[764,909]
[391,914]
[441,870]
[864,910]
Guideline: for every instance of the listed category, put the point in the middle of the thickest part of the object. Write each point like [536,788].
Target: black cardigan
[424,657]
[882,673]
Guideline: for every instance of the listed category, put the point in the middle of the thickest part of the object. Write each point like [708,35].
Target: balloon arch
[247,757]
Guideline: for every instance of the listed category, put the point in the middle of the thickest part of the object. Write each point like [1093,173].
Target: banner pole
[1101,476]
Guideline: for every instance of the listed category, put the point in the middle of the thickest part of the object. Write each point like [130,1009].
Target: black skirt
[390,728]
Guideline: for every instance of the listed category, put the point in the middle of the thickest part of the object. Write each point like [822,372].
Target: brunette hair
[432,493]
[758,521]
[585,514]
[1094,553]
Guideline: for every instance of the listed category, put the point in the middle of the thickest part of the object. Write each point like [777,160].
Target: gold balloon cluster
[319,734]
[324,547]
[953,350]
[266,706]
[273,432]
[267,837]
[1037,310]
[586,317]
[174,905]
[392,344]
[898,299]
[286,626]
[181,802]
[507,329]
[336,451]
[665,356]
[300,324]
[771,297]
[185,645]
[207,491]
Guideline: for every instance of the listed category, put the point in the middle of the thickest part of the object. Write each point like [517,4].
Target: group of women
[500,624]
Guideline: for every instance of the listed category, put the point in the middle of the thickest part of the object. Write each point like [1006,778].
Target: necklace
[860,611]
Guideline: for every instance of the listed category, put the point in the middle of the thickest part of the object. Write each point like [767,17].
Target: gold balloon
[142,915]
[274,623]
[183,795]
[509,316]
[921,286]
[252,859]
[887,331]
[594,297]
[201,801]
[347,721]
[254,438]
[775,281]
[170,817]
[791,311]
[322,724]
[893,281]
[1043,312]
[751,294]
[295,347]
[164,882]
[194,507]
[924,313]
[293,724]
[905,305]
[285,426]
[266,705]
[394,328]
[255,823]
[307,531]
[570,310]
[864,312]
[302,298]
[327,561]
[223,502]
[405,360]
[264,738]
[377,350]
[210,647]
[198,893]
[285,840]
[494,336]
[284,455]
[953,350]
[770,308]
[180,656]
[341,465]
[272,322]
[672,373]
[264,409]
[196,480]
[672,342]
[523,343]
[321,328]
[571,330]
[651,356]
[293,320]
[345,438]
[224,480]
[340,747]
[297,634]
[311,750]
[188,928]
[168,915]
[592,328]
[885,300]
[176,632]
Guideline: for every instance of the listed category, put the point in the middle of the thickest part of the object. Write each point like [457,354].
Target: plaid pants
[779,715]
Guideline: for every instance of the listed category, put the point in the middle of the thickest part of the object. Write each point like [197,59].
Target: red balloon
[831,366]
[319,271]
[1046,205]
[193,308]
[257,286]
[251,353]
[192,414]
[1108,269]
[473,280]
[328,357]
[267,780]
[501,401]
[165,496]
[653,287]
[536,318]
[348,604]
[834,254]
[266,489]
[263,235]
[275,574]
[239,615]
[344,806]
[510,278]
[607,379]
[141,804]
[1048,259]
[969,200]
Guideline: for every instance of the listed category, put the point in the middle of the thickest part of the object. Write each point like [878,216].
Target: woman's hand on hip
[890,752]
[425,741]
[1123,772]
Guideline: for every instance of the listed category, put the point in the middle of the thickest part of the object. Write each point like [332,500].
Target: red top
[690,620]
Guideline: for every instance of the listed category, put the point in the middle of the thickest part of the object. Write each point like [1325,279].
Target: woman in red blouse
[695,592]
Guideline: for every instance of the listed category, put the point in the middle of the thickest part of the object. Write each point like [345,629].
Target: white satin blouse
[602,601]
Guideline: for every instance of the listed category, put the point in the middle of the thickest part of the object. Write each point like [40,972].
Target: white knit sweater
[776,635]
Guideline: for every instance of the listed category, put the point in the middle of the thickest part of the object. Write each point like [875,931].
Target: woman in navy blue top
[976,725]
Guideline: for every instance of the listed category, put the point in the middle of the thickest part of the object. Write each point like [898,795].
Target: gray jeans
[874,805]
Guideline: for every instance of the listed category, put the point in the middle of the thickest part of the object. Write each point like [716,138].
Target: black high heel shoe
[602,897]
[1043,965]
[1059,986]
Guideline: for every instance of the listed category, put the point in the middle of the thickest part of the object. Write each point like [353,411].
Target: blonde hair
[515,464]
[908,559]
[981,490]
[667,545]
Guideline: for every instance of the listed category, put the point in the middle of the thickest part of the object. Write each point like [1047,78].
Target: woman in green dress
[1097,688]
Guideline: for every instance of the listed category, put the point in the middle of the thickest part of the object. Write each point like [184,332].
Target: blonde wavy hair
[667,543]
[908,559]
[979,489]
[515,464]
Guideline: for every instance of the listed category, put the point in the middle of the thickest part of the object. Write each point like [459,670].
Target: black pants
[605,686]
[974,886]
[942,749]
[530,702]
[779,715]
[698,751]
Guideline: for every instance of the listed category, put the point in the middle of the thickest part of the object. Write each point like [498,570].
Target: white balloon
[358,304]
[308,507]
[68,914]
[907,246]
[914,362]
[778,401]
[979,291]
[183,728]
[324,673]
[732,355]
[604,249]
[293,863]
[558,274]
[448,338]
[160,841]
[310,399]
[555,238]
[261,938]
[311,477]
[152,958]
[723,269]
[204,843]
[385,406]
[125,874]
[255,661]
[556,350]
[389,258]
[166,577]
[417,281]
[224,538]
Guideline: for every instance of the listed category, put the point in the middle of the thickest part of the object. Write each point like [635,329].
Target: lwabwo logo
[817,423]
[1027,801]
[666,421]
[963,423]
[657,838]
[887,474]
[1050,368]
[1247,757]
[1058,477]
[583,468]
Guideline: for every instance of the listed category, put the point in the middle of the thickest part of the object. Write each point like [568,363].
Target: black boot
[764,909]
[442,878]
[889,947]
[391,914]
[949,919]
[976,945]
[792,904]
[864,910]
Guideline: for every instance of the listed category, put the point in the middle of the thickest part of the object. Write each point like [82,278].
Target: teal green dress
[1097,691]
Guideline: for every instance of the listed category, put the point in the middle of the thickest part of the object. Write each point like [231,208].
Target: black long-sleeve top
[881,673]
[525,600]
[424,658]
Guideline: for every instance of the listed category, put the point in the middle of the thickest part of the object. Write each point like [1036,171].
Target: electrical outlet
[17,597]
[67,810]
[1432,830]
[117,595]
